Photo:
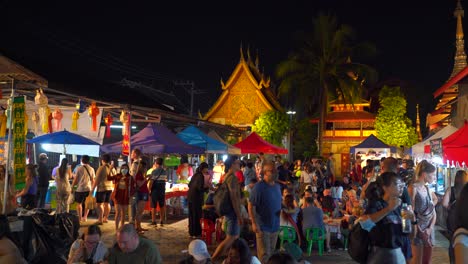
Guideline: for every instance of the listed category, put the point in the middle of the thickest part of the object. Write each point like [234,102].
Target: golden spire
[418,124]
[241,52]
[257,61]
[460,56]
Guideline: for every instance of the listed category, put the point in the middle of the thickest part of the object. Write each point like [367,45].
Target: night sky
[85,45]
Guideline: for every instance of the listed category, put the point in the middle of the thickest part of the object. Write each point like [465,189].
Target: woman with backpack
[450,197]
[383,214]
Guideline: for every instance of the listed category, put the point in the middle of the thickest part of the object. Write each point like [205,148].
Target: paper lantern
[81,106]
[108,120]
[124,118]
[57,116]
[75,117]
[49,122]
[36,120]
[41,101]
[93,112]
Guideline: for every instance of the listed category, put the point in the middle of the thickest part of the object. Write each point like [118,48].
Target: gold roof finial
[460,56]
[257,61]
[418,124]
[248,54]
[241,52]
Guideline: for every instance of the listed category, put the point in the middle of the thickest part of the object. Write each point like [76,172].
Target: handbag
[90,202]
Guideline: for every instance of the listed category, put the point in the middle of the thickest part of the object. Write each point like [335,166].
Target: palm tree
[321,68]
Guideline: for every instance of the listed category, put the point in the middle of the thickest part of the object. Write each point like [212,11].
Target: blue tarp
[155,139]
[195,137]
[372,142]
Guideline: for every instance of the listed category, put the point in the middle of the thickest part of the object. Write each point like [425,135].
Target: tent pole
[8,162]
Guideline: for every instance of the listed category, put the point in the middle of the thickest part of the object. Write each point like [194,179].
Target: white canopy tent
[417,150]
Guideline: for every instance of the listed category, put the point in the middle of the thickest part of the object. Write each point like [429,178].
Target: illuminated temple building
[452,105]
[245,96]
[345,127]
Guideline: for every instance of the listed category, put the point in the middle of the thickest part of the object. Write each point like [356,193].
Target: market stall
[372,148]
[254,144]
[421,150]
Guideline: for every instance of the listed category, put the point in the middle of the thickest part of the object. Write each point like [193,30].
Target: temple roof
[361,102]
[256,77]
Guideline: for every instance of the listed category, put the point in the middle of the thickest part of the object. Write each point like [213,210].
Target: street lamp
[290,113]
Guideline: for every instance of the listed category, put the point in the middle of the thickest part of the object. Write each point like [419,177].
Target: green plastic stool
[315,234]
[286,233]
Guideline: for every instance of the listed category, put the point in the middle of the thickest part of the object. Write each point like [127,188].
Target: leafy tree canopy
[272,126]
[392,125]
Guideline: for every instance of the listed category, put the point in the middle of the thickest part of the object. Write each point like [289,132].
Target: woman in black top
[384,209]
[195,199]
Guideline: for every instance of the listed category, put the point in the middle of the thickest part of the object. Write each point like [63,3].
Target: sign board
[436,147]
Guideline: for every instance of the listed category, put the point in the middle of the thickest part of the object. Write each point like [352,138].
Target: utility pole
[189,87]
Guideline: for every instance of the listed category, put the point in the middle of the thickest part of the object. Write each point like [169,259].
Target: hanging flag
[19,139]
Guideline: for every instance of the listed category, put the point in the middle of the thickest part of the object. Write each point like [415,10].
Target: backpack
[222,198]
[358,243]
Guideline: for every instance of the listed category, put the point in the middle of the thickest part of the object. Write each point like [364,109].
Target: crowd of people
[264,197]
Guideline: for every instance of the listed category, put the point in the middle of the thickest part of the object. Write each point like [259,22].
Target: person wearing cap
[198,253]
[44,177]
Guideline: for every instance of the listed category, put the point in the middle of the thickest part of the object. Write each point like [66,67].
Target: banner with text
[19,139]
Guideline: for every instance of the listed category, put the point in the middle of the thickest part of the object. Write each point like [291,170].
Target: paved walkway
[172,240]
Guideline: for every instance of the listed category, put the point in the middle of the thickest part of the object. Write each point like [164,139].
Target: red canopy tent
[255,144]
[455,146]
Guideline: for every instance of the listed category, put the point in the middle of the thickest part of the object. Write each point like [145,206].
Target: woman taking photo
[124,188]
[63,187]
[28,194]
[195,197]
[89,248]
[384,209]
[424,202]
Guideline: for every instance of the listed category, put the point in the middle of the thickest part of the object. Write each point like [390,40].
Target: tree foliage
[321,68]
[272,126]
[392,125]
[304,137]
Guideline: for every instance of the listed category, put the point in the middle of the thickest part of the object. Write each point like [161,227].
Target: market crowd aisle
[172,241]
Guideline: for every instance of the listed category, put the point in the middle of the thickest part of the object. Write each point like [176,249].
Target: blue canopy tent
[155,139]
[195,137]
[372,146]
[65,142]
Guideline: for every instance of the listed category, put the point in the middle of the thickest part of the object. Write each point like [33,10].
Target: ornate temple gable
[246,95]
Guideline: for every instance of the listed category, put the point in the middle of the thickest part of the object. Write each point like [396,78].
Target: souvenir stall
[372,148]
[421,150]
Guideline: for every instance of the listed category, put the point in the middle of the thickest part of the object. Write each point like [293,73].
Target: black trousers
[195,214]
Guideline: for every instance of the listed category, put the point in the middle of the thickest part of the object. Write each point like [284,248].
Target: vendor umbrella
[65,142]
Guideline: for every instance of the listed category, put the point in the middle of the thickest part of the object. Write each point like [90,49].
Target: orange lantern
[75,118]
[93,112]
[49,123]
[57,116]
[108,120]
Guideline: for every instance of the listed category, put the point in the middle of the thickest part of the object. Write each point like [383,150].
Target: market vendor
[184,171]
[28,194]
